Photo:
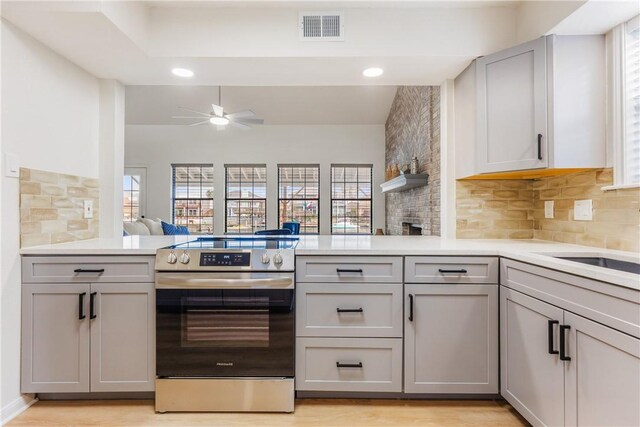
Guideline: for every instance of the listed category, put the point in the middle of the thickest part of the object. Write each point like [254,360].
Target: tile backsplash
[485,209]
[51,207]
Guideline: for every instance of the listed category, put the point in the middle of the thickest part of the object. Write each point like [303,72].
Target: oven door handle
[176,282]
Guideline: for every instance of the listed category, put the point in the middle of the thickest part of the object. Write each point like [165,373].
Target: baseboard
[15,408]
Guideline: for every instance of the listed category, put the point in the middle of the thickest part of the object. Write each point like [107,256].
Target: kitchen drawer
[372,310]
[69,269]
[440,269]
[373,364]
[349,269]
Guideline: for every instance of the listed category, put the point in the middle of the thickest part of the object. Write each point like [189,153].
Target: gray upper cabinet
[55,338]
[512,108]
[602,382]
[532,374]
[451,339]
[123,337]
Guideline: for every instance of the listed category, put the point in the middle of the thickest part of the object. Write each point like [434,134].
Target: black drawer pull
[458,271]
[410,308]
[349,365]
[350,310]
[539,146]
[550,325]
[92,302]
[84,270]
[563,354]
[348,270]
[81,314]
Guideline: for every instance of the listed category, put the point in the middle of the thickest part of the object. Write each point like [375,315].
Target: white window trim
[616,112]
[142,172]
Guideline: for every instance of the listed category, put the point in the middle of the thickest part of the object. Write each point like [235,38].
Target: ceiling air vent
[321,26]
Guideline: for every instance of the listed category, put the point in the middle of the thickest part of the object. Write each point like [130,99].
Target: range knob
[185,258]
[172,258]
[277,259]
[265,258]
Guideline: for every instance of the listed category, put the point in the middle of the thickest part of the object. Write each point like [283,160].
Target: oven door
[224,325]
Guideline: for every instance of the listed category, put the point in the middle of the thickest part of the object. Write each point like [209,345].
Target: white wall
[156,147]
[50,120]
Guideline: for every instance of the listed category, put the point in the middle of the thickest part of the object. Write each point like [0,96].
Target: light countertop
[538,252]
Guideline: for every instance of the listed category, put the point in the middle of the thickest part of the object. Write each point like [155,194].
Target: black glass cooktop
[253,242]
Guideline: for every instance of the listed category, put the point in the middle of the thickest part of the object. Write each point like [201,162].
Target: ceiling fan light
[182,72]
[220,121]
[373,72]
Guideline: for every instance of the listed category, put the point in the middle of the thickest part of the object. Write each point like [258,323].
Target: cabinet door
[532,378]
[55,338]
[451,339]
[602,382]
[122,337]
[512,109]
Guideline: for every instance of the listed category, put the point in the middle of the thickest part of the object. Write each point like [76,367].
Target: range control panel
[221,259]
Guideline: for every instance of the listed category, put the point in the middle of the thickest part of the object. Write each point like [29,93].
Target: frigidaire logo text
[224,363]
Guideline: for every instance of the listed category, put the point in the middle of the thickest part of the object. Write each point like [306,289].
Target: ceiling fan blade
[239,125]
[240,115]
[217,110]
[197,112]
[199,123]
[250,121]
[187,117]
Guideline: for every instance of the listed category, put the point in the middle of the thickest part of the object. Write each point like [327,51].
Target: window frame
[317,199]
[616,39]
[227,198]
[370,199]
[142,189]
[186,209]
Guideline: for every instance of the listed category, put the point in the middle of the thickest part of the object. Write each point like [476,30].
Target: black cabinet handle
[83,270]
[539,146]
[563,355]
[81,314]
[410,308]
[92,302]
[458,271]
[349,310]
[550,335]
[348,270]
[349,365]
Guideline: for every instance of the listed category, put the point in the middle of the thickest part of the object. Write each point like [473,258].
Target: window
[299,196]
[246,198]
[192,201]
[351,199]
[631,99]
[133,186]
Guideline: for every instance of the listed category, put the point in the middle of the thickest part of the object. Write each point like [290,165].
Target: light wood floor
[309,412]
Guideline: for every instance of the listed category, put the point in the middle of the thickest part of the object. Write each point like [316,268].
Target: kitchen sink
[614,264]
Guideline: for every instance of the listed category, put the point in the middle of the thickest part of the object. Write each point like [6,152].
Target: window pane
[193,198]
[298,197]
[246,192]
[351,193]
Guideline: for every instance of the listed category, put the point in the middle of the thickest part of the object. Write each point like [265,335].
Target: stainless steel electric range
[225,325]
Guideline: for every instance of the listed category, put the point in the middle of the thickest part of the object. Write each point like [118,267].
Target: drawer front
[439,269]
[348,310]
[94,269]
[349,364]
[356,269]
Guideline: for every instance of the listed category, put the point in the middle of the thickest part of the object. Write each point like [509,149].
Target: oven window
[228,321]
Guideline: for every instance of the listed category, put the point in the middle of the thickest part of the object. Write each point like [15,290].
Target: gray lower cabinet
[55,338]
[531,372]
[88,337]
[451,339]
[602,379]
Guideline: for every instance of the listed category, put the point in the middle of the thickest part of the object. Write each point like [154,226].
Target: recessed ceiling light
[220,121]
[373,72]
[182,72]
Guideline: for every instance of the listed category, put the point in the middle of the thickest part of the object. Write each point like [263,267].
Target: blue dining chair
[274,232]
[294,226]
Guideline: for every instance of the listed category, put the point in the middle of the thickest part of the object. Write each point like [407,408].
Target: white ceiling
[283,105]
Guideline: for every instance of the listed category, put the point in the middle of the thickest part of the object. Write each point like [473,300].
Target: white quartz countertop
[538,252]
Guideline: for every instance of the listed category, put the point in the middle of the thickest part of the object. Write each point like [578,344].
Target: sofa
[143,227]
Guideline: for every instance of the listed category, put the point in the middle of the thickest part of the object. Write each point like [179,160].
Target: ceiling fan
[240,119]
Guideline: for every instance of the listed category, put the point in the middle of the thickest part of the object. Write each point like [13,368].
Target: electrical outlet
[11,165]
[548,209]
[582,210]
[88,208]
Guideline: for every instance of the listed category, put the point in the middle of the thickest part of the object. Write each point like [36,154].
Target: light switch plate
[582,210]
[88,209]
[11,165]
[548,209]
